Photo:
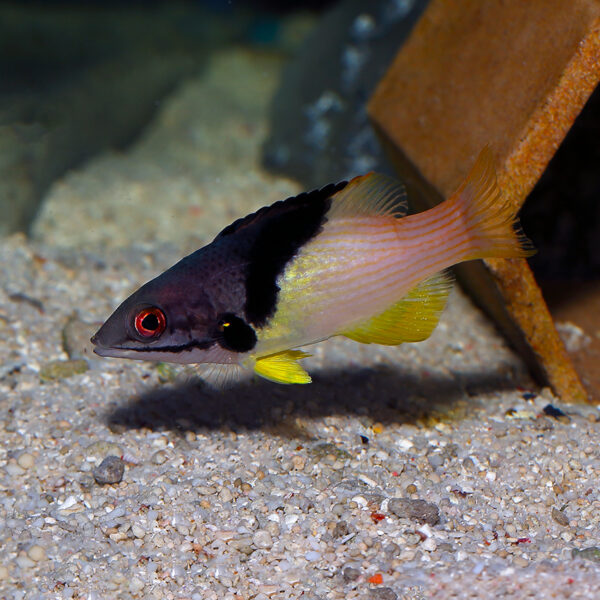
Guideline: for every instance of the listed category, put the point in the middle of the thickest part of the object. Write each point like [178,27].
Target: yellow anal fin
[283,367]
[412,319]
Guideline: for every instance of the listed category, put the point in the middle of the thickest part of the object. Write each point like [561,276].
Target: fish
[344,260]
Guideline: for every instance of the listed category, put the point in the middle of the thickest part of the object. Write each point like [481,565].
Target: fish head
[179,317]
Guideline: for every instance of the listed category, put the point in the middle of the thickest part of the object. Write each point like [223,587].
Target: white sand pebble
[429,545]
[137,531]
[24,562]
[136,585]
[26,460]
[225,495]
[36,553]
[4,573]
[262,539]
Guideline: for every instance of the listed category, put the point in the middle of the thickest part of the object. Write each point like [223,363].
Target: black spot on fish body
[277,233]
[235,334]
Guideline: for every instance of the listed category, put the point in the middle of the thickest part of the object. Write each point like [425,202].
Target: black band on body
[279,232]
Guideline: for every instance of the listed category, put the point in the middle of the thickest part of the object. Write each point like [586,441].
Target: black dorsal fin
[282,207]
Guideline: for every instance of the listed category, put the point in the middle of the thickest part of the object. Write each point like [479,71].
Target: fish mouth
[115,352]
[191,352]
[112,352]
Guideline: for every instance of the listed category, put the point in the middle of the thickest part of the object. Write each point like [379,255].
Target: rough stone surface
[110,470]
[418,510]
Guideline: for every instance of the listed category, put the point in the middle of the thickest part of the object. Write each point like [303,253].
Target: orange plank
[510,74]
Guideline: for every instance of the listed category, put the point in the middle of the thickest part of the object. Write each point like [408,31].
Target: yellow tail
[490,219]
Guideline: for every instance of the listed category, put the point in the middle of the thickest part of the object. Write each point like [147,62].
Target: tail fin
[491,220]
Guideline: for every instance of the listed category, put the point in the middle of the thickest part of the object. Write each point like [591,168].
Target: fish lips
[110,351]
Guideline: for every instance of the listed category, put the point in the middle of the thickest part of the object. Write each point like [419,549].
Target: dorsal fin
[373,194]
[283,207]
[412,319]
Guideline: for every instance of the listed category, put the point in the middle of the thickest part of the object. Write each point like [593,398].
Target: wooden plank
[513,75]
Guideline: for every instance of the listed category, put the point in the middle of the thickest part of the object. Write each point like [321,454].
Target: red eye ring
[150,322]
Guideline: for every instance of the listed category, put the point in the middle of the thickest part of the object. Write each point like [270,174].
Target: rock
[340,529]
[325,449]
[26,460]
[319,127]
[61,369]
[262,539]
[76,338]
[36,553]
[350,574]
[382,593]
[101,449]
[559,517]
[592,553]
[416,510]
[110,470]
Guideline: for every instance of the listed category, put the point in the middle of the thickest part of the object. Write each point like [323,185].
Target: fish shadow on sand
[381,394]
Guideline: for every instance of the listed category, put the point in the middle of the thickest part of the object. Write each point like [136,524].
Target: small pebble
[225,495]
[567,536]
[159,457]
[520,561]
[101,449]
[560,517]
[416,510]
[350,574]
[26,460]
[340,529]
[110,470]
[382,593]
[62,369]
[262,539]
[592,553]
[4,573]
[137,531]
[13,469]
[411,488]
[136,585]
[429,545]
[327,449]
[36,553]
[24,562]
[299,462]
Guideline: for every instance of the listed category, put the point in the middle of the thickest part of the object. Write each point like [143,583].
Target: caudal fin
[491,220]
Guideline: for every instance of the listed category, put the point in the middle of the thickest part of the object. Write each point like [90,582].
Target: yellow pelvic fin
[283,367]
[412,319]
[370,195]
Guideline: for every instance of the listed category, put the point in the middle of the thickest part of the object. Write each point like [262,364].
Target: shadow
[381,394]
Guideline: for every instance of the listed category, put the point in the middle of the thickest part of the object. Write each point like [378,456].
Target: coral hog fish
[342,260]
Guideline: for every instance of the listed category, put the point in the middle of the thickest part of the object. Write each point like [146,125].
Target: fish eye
[150,322]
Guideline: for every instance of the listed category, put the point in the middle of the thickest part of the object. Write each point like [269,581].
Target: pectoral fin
[283,367]
[412,319]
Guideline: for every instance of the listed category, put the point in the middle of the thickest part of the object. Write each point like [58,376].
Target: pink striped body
[357,267]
